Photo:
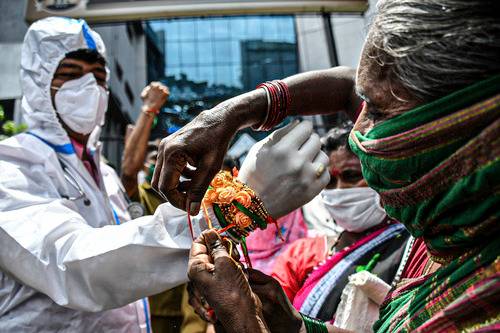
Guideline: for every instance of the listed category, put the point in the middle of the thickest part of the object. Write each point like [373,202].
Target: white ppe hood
[46,43]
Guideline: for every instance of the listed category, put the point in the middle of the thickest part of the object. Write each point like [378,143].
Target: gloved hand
[286,169]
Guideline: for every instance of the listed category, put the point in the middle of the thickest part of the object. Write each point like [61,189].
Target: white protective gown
[66,266]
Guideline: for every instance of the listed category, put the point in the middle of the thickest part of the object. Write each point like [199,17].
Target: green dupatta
[437,170]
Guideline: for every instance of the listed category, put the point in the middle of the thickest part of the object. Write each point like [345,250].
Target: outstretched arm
[153,96]
[203,142]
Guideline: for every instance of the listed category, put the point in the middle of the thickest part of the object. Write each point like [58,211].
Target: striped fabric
[324,286]
[437,169]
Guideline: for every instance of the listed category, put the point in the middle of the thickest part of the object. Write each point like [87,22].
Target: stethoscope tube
[135,209]
[72,180]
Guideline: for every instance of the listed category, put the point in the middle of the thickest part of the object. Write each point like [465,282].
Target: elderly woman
[427,137]
[314,271]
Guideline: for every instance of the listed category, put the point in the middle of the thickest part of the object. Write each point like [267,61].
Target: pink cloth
[293,266]
[265,245]
[417,260]
[89,165]
[317,274]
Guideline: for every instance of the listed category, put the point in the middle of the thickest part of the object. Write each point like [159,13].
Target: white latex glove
[282,168]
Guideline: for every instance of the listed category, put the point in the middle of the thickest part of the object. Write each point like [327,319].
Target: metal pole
[330,39]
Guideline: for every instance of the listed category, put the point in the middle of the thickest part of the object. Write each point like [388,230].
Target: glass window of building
[208,60]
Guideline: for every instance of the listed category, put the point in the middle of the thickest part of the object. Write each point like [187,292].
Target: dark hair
[337,137]
[88,55]
[435,47]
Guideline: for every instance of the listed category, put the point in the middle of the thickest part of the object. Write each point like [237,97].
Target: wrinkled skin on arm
[203,142]
[279,313]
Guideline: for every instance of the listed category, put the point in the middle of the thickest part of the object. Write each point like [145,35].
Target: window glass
[220,28]
[203,30]
[171,29]
[208,60]
[224,75]
[238,27]
[223,52]
[188,53]
[207,74]
[172,54]
[206,53]
[186,29]
[270,26]
[254,28]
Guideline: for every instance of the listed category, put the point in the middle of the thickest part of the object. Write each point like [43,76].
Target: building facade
[128,71]
[203,60]
[209,60]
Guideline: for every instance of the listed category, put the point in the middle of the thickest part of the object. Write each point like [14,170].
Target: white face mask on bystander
[81,103]
[354,209]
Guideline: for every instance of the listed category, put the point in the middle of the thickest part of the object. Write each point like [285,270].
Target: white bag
[360,301]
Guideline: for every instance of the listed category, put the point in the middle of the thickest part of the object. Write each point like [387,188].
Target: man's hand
[154,96]
[280,315]
[202,143]
[221,282]
[200,305]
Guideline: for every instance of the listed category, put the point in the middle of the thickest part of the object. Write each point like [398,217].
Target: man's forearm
[135,151]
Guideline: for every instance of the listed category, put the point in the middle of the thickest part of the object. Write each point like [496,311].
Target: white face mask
[82,103]
[354,209]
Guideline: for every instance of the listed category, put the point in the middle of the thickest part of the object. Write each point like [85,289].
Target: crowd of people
[387,223]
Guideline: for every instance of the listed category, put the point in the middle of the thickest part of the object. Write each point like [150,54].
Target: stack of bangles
[278,103]
[313,325]
[237,207]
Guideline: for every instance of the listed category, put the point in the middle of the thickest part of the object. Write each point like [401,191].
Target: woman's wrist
[312,325]
[249,109]
[253,324]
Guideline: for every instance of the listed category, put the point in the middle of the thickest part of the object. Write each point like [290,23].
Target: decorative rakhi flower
[225,195]
[237,208]
[241,220]
[243,198]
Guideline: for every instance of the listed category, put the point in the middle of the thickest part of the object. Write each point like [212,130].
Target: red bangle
[280,101]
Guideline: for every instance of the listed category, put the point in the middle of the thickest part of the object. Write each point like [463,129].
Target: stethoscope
[135,209]
[72,181]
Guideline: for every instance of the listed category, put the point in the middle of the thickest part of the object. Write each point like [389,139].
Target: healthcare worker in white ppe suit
[71,259]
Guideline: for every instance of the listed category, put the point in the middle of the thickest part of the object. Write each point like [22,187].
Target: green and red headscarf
[437,170]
